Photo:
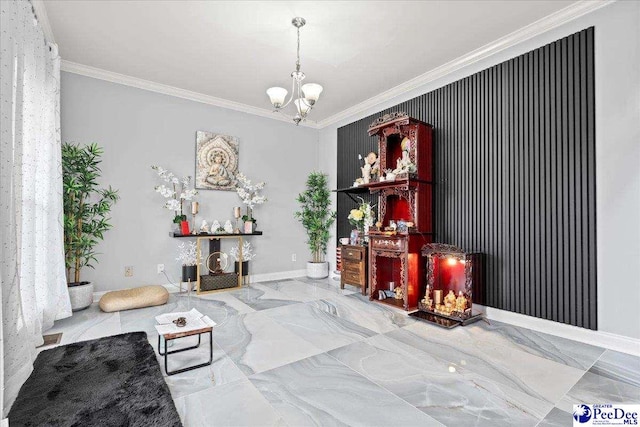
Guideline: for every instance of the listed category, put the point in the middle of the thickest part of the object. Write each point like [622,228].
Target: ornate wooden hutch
[394,256]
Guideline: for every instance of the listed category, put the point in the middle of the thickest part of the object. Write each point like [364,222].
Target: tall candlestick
[237,213]
[194,212]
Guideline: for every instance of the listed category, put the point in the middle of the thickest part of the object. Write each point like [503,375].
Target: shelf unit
[396,257]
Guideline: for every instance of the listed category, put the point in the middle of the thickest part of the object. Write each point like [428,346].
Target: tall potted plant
[316,217]
[86,216]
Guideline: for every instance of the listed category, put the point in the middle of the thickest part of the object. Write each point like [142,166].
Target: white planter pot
[317,270]
[81,296]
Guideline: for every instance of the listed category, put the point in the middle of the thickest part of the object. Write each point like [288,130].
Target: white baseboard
[598,338]
[280,275]
[254,278]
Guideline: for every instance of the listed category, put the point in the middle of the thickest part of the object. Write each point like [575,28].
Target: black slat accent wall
[515,176]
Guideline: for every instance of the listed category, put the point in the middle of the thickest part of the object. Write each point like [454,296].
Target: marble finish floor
[303,352]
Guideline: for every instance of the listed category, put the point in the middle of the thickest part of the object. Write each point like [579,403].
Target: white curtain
[32,273]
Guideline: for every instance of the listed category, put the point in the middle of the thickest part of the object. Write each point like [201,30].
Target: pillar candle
[438,296]
[194,208]
[237,213]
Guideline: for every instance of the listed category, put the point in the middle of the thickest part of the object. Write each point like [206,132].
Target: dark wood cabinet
[354,267]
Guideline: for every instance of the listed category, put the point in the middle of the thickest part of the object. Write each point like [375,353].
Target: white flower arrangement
[247,252]
[187,253]
[249,192]
[176,191]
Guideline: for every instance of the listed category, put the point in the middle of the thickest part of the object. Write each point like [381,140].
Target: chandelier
[305,95]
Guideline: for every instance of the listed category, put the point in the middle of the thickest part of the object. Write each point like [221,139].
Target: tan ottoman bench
[127,299]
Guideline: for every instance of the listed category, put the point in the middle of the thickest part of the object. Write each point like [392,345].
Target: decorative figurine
[180,322]
[450,298]
[398,293]
[389,175]
[218,269]
[461,303]
[371,168]
[204,227]
[404,163]
[215,226]
[228,227]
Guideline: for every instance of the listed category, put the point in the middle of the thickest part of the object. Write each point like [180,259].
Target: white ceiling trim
[41,13]
[99,73]
[547,23]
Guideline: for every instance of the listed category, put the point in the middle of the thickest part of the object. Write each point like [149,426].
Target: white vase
[317,270]
[81,296]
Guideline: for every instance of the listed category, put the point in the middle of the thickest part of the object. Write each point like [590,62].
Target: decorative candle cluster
[449,305]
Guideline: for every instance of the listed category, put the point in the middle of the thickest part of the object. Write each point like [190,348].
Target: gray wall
[617,62]
[137,129]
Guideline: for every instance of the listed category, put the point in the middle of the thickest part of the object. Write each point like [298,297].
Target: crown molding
[41,14]
[536,28]
[110,76]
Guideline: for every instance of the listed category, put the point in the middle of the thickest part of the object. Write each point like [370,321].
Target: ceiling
[235,50]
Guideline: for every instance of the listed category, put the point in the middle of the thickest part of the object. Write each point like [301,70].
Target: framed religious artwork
[216,161]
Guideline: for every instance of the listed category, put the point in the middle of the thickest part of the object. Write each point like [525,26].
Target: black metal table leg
[179,350]
[189,368]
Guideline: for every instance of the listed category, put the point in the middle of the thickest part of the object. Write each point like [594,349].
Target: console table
[214,246]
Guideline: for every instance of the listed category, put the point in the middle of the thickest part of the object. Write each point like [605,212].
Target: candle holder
[194,211]
[237,214]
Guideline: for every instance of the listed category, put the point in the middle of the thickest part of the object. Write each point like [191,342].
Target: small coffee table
[174,336]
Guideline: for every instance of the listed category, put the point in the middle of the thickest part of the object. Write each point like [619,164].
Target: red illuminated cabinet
[394,258]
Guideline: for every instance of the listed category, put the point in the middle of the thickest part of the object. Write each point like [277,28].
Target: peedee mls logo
[605,415]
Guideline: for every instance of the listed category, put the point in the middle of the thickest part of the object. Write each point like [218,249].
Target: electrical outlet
[160,268]
[293,257]
[128,271]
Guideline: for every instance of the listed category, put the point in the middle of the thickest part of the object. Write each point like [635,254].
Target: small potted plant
[316,217]
[86,209]
[247,255]
[188,259]
[250,195]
